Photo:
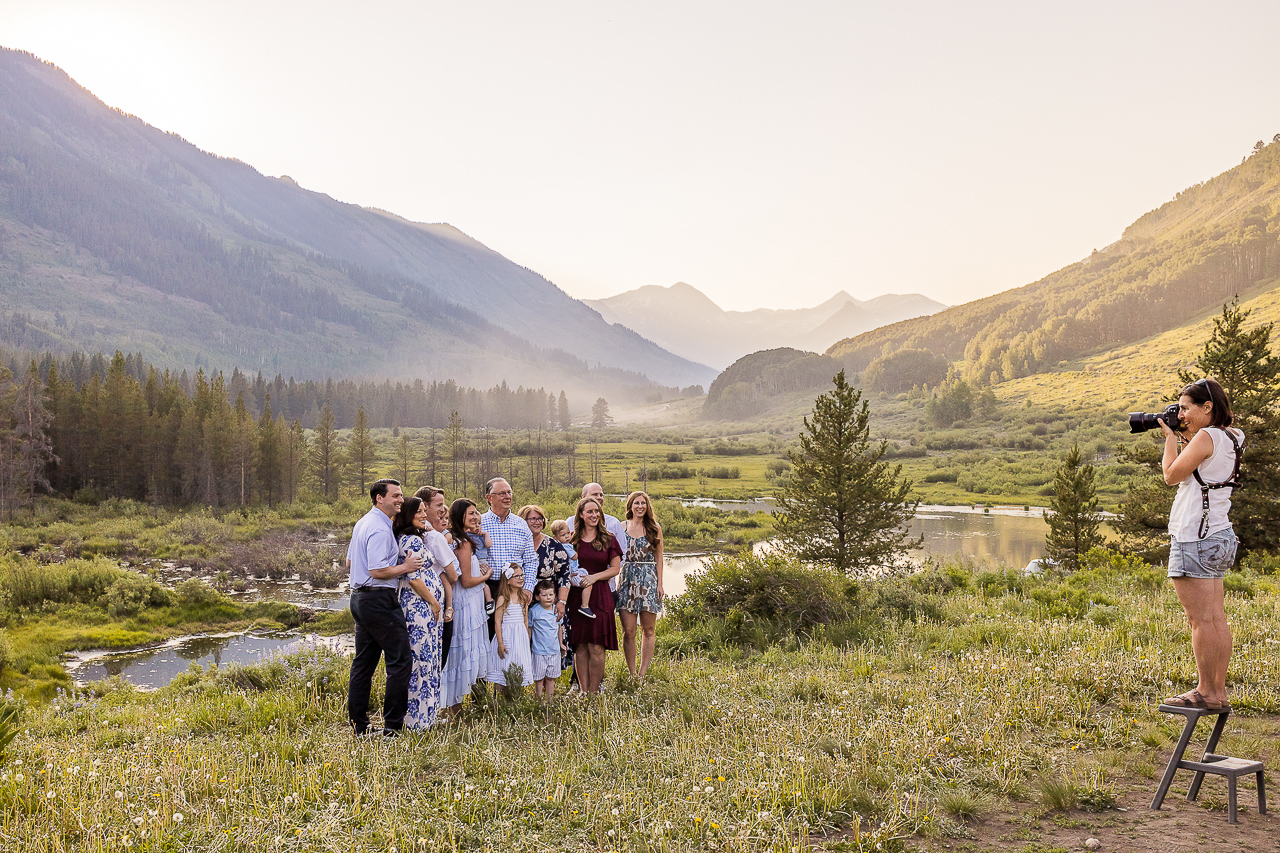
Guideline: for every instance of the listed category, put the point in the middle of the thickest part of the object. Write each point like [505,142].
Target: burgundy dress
[602,630]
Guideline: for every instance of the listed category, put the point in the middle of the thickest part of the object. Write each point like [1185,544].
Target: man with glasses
[510,538]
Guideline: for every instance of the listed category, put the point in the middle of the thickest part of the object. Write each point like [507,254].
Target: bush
[196,593]
[130,593]
[776,589]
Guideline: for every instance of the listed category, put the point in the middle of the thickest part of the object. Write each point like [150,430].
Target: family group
[452,597]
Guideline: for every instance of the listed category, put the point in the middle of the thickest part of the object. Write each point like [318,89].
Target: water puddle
[155,666]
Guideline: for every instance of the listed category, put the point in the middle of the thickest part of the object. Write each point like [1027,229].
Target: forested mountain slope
[1213,241]
[114,234]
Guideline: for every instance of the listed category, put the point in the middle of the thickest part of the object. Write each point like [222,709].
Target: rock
[1093,844]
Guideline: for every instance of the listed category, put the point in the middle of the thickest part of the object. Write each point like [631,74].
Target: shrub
[195,592]
[756,589]
[130,593]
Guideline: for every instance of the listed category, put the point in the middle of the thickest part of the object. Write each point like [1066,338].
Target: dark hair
[545,583]
[457,519]
[428,493]
[379,488]
[602,534]
[403,522]
[1209,391]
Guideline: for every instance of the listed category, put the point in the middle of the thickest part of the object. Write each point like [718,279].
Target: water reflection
[155,667]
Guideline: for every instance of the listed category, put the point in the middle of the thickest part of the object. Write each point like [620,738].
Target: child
[544,631]
[560,530]
[481,543]
[510,630]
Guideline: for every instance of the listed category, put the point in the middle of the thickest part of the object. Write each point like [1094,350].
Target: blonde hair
[559,526]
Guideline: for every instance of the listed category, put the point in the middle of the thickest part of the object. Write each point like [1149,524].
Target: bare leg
[548,689]
[629,639]
[649,640]
[1202,599]
[582,666]
[595,673]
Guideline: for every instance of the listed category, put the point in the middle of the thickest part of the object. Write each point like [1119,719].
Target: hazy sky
[768,153]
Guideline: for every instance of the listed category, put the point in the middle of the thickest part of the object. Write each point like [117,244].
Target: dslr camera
[1143,421]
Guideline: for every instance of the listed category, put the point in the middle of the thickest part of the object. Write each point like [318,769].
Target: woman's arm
[1178,466]
[657,558]
[425,594]
[464,558]
[498,610]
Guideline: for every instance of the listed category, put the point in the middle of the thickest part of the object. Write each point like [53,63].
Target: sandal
[1194,699]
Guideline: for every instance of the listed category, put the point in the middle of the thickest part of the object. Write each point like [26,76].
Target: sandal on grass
[1194,699]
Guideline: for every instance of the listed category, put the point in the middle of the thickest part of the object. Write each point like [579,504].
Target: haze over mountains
[114,234]
[685,321]
[1215,240]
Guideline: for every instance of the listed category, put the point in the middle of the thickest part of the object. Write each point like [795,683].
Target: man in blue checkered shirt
[510,538]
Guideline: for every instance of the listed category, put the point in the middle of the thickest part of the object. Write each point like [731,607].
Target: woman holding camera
[1203,462]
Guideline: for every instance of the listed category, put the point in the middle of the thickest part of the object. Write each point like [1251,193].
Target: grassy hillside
[1214,241]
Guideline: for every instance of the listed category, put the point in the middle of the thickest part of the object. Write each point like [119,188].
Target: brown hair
[652,530]
[601,542]
[1209,391]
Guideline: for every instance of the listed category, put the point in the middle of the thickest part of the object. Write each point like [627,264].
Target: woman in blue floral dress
[420,595]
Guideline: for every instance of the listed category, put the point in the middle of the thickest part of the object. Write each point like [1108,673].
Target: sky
[770,154]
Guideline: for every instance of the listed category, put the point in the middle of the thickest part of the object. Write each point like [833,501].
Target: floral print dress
[638,580]
[425,634]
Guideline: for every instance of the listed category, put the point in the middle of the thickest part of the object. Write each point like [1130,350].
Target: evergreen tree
[293,452]
[244,442]
[844,506]
[1143,517]
[31,430]
[362,453]
[1242,362]
[563,406]
[404,459]
[326,456]
[600,413]
[1073,526]
[269,462]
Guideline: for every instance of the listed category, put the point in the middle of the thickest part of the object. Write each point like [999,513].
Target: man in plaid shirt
[509,537]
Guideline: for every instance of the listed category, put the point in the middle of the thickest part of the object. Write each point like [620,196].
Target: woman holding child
[640,583]
[553,557]
[421,597]
[469,652]
[591,621]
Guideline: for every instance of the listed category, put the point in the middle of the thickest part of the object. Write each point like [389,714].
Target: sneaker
[488,607]
[586,611]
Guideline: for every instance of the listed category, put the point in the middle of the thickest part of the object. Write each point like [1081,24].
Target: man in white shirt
[375,607]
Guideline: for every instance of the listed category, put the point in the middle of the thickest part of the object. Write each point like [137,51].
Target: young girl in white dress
[511,630]
[469,649]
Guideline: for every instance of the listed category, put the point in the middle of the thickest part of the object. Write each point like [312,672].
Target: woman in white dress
[469,649]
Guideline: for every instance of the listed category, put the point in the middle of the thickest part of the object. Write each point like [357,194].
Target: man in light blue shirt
[510,538]
[375,564]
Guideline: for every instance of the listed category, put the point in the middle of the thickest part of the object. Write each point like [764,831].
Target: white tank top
[1188,505]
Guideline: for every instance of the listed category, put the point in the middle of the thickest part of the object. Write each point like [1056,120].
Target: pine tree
[563,406]
[244,443]
[844,506]
[404,458]
[362,453]
[326,456]
[32,420]
[1073,526]
[600,417]
[1242,362]
[269,462]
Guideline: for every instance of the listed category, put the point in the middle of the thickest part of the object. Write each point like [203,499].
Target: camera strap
[1233,482]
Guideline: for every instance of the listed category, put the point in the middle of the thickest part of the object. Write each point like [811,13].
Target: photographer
[1202,459]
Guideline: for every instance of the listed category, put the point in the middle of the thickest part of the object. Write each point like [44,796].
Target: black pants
[495,586]
[380,629]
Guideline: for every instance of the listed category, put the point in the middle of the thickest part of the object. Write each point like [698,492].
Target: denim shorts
[1208,558]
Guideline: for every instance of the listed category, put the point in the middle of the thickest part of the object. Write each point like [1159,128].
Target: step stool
[1219,765]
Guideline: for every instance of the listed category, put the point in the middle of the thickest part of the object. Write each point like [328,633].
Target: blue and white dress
[425,632]
[469,650]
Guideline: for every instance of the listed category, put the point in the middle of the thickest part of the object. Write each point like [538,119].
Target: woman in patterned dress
[640,582]
[421,594]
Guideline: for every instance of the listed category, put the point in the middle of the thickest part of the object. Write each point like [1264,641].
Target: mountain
[685,321]
[1213,241]
[116,234]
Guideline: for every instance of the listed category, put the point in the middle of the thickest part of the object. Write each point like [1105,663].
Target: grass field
[1025,707]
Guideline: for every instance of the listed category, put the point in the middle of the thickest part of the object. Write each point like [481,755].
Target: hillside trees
[600,416]
[362,455]
[1073,525]
[25,446]
[844,507]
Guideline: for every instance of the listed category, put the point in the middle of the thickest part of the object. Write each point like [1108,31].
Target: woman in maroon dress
[601,558]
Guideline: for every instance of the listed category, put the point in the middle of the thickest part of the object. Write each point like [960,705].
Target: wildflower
[138,820]
[177,817]
[18,777]
[51,795]
[119,795]
[615,812]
